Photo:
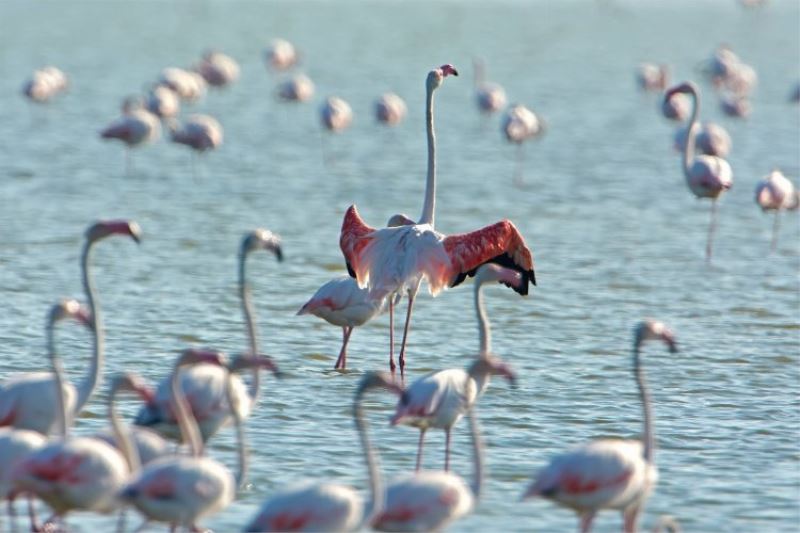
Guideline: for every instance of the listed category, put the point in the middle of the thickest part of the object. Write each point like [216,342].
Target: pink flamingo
[707,176]
[711,139]
[676,107]
[490,97]
[28,401]
[330,506]
[336,114]
[182,490]
[205,386]
[199,132]
[298,88]
[440,399]
[430,500]
[136,127]
[609,473]
[71,473]
[390,109]
[163,102]
[188,85]
[281,54]
[519,125]
[390,261]
[652,77]
[44,84]
[775,193]
[735,105]
[15,444]
[218,69]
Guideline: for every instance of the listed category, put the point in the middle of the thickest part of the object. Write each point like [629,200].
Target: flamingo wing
[354,237]
[499,243]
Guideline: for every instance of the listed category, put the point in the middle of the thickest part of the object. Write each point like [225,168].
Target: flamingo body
[676,107]
[189,86]
[709,176]
[390,109]
[199,132]
[490,96]
[775,192]
[163,102]
[438,399]
[27,401]
[218,69]
[136,127]
[342,302]
[336,114]
[310,507]
[298,88]
[149,444]
[44,84]
[15,445]
[521,124]
[281,54]
[652,77]
[711,139]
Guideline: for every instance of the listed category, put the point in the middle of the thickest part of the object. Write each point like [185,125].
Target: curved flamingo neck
[190,433]
[430,183]
[648,439]
[58,374]
[688,143]
[92,379]
[241,443]
[477,455]
[372,459]
[122,435]
[484,330]
[249,314]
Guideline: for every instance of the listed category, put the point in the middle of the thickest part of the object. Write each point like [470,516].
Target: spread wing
[352,240]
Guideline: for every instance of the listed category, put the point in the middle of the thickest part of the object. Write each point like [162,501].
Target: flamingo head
[104,228]
[374,380]
[132,382]
[262,239]
[494,272]
[71,309]
[650,329]
[194,356]
[494,366]
[247,361]
[436,75]
[399,219]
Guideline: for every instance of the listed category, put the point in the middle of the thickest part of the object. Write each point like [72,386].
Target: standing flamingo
[281,54]
[28,401]
[520,124]
[652,77]
[775,193]
[205,385]
[390,261]
[390,109]
[330,506]
[711,139]
[189,86]
[336,114]
[163,102]
[298,88]
[199,132]
[707,176]
[136,127]
[44,84]
[609,473]
[71,473]
[440,399]
[676,107]
[218,69]
[490,97]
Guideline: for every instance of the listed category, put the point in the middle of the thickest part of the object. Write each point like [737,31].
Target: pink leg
[341,362]
[630,516]
[419,448]
[391,335]
[447,449]
[405,335]
[586,521]
[712,226]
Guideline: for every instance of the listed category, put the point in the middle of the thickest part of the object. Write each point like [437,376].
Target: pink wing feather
[354,237]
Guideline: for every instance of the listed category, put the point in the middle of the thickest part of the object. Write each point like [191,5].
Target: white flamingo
[330,506]
[776,193]
[218,69]
[390,109]
[609,473]
[205,385]
[28,401]
[707,176]
[518,125]
[199,132]
[281,54]
[440,399]
[710,139]
[490,96]
[298,88]
[395,260]
[163,102]
[336,114]
[735,105]
[136,127]
[652,77]
[189,86]
[44,84]
[675,108]
[71,473]
[15,445]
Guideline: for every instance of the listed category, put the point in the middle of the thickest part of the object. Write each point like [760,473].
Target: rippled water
[615,232]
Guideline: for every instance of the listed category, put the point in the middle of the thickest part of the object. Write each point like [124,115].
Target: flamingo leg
[447,449]
[341,362]
[775,225]
[630,516]
[586,521]
[419,447]
[405,335]
[391,335]
[12,516]
[121,520]
[32,514]
[712,226]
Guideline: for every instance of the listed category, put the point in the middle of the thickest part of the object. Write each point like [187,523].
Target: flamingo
[163,102]
[336,114]
[181,490]
[205,385]
[609,473]
[71,473]
[440,399]
[390,109]
[136,127]
[735,105]
[199,132]
[775,193]
[652,77]
[15,445]
[44,84]
[430,500]
[189,86]
[281,54]
[707,176]
[675,108]
[330,506]
[27,401]
[298,88]
[721,64]
[520,124]
[390,261]
[490,97]
[711,139]
[218,69]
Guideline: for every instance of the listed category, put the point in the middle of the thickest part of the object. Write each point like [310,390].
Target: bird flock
[137,466]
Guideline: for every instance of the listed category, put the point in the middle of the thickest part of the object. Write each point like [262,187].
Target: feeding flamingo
[710,139]
[440,399]
[71,473]
[391,261]
[609,473]
[218,69]
[490,96]
[28,401]
[520,124]
[44,84]
[205,386]
[281,54]
[390,109]
[707,176]
[775,193]
[298,88]
[330,506]
[652,77]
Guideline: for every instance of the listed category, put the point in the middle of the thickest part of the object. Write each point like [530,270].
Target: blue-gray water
[615,232]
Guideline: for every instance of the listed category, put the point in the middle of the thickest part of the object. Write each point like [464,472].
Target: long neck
[92,379]
[373,465]
[241,442]
[648,439]
[430,183]
[58,373]
[477,454]
[190,433]
[688,143]
[122,436]
[247,309]
[484,330]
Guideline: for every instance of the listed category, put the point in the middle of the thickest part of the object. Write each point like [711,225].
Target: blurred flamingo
[298,88]
[652,77]
[188,85]
[15,444]
[199,132]
[390,261]
[775,193]
[390,109]
[490,97]
[29,401]
[520,124]
[330,506]
[710,139]
[676,107]
[44,84]
[281,54]
[707,176]
[336,114]
[735,105]
[440,399]
[136,127]
[218,69]
[609,473]
[162,102]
